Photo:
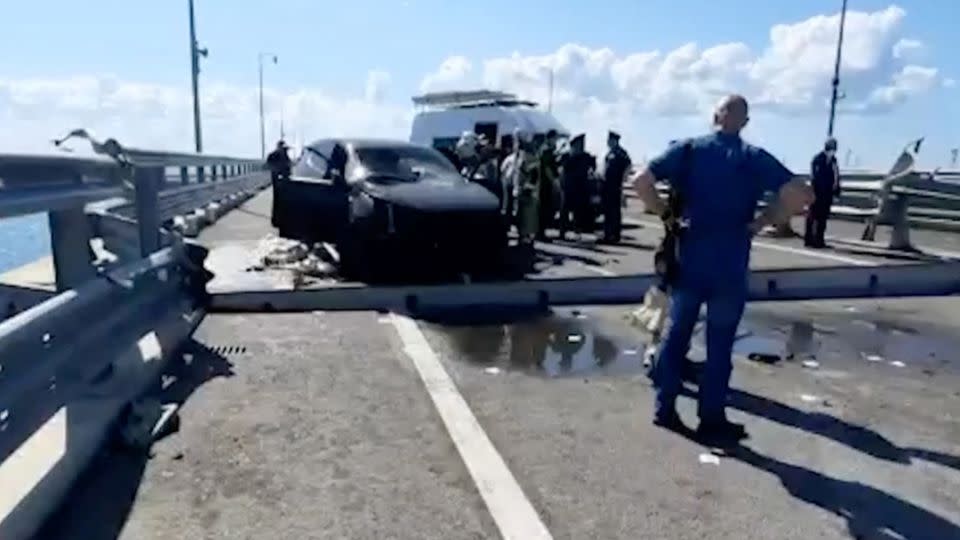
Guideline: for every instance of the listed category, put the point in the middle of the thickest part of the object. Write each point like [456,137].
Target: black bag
[666,259]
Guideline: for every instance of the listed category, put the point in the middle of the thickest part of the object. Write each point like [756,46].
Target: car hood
[435,195]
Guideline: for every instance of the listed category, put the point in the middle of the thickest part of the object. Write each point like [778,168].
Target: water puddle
[856,338]
[554,345]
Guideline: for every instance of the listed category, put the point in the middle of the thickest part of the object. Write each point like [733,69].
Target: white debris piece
[492,370]
[897,363]
[811,364]
[709,459]
[630,352]
[277,251]
[809,398]
[873,357]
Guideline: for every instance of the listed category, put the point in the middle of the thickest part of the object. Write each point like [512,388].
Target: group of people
[542,187]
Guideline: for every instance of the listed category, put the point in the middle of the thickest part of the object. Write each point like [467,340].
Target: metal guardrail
[73,362]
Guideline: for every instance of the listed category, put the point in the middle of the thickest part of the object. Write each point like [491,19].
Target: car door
[317,196]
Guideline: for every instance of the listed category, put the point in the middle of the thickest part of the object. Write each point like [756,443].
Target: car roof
[369,143]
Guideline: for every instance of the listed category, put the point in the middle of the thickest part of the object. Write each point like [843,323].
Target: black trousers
[816,226]
[612,214]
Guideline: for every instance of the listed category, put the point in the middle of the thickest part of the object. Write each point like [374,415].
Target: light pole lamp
[195,53]
[263,134]
[836,71]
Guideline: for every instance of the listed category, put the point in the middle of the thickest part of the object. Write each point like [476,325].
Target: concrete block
[212,212]
[201,215]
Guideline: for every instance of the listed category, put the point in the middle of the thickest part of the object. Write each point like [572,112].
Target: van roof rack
[470,98]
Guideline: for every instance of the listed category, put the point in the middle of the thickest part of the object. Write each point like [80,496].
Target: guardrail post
[213,173]
[70,242]
[200,178]
[184,175]
[899,216]
[146,198]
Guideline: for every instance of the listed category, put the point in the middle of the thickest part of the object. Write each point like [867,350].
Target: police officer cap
[831,144]
[613,135]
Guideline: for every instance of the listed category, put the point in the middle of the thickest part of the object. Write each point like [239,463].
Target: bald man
[720,179]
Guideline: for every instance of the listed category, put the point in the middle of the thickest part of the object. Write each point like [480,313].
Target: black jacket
[824,176]
[617,163]
[279,162]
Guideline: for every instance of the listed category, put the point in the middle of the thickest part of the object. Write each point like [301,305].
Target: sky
[652,69]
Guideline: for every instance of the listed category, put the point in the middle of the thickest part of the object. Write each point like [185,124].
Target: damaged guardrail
[70,365]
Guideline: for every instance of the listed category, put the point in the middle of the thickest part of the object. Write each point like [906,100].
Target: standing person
[721,179]
[825,177]
[577,167]
[549,170]
[527,180]
[279,164]
[616,165]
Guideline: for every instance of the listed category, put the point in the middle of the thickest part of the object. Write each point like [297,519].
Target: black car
[389,202]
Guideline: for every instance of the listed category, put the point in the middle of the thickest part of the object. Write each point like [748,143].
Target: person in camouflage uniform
[549,190]
[527,188]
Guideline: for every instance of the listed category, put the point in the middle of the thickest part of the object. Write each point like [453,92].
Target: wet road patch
[559,344]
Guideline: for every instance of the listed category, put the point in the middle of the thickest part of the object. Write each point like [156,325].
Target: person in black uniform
[825,177]
[577,167]
[279,164]
[616,165]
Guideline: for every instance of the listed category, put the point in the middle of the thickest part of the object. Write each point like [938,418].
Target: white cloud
[791,74]
[911,80]
[908,49]
[377,82]
[34,111]
[451,72]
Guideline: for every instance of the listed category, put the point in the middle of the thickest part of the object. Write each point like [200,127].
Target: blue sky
[331,47]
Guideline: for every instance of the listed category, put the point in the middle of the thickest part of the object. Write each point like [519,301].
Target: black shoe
[721,432]
[669,420]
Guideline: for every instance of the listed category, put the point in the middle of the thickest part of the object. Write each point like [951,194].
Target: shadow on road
[100,502]
[857,437]
[868,511]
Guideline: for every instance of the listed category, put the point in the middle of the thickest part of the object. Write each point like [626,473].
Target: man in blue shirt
[720,179]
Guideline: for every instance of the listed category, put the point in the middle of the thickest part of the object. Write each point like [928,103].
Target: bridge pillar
[213,173]
[146,198]
[184,175]
[200,178]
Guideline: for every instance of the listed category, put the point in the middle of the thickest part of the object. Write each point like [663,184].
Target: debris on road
[897,363]
[873,357]
[492,370]
[709,459]
[811,364]
[275,251]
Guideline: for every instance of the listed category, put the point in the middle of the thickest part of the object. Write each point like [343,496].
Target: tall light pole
[195,53]
[263,133]
[836,71]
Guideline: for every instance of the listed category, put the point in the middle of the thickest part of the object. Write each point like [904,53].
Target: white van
[444,116]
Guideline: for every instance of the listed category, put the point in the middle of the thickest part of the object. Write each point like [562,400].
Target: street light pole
[836,71]
[195,53]
[263,134]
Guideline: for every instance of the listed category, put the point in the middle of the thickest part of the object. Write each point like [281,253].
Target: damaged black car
[389,203]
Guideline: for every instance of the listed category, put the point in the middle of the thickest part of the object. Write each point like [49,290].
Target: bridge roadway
[320,425]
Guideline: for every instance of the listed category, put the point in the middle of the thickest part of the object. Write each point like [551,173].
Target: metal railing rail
[72,362]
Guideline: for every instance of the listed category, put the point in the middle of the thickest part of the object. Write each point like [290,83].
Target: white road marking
[508,505]
[785,249]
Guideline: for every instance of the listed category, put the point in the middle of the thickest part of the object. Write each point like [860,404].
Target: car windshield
[403,164]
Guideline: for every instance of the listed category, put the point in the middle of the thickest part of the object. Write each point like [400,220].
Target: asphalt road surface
[369,425]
